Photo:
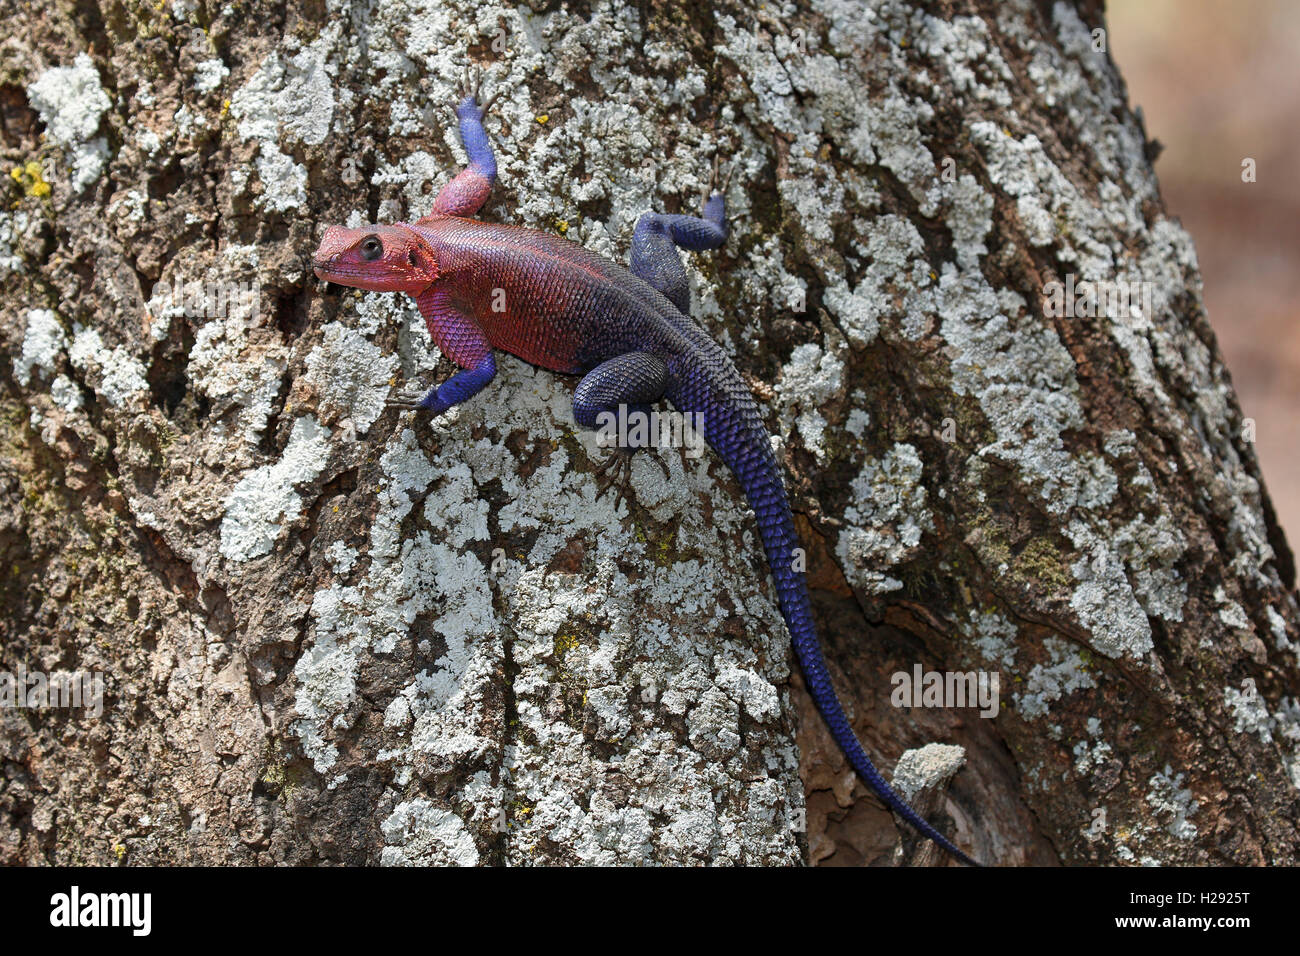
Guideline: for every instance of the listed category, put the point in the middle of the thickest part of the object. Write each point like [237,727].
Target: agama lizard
[553,303]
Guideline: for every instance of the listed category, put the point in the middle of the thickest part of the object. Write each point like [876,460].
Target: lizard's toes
[406,399]
[615,472]
[718,181]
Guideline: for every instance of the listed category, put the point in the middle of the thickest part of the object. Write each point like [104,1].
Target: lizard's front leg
[614,393]
[466,194]
[461,340]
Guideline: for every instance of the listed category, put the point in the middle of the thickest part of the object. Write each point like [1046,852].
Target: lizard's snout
[333,244]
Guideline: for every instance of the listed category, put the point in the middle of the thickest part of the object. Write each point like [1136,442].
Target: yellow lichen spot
[31,178]
[119,850]
[543,118]
[225,107]
[903,43]
[562,226]
[336,509]
[933,275]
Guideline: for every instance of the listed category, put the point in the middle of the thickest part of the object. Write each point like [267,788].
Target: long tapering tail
[761,482]
[704,381]
[779,541]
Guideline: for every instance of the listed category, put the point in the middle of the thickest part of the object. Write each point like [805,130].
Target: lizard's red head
[376,258]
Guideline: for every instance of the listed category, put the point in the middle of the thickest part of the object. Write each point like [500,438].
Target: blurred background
[1218,81]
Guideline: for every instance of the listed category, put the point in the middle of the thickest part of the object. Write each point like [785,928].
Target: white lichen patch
[1169,799]
[1088,756]
[350,374]
[1251,716]
[241,375]
[65,394]
[1063,674]
[284,182]
[1151,549]
[884,524]
[993,636]
[1231,613]
[43,343]
[210,74]
[289,100]
[421,834]
[265,497]
[1104,600]
[71,102]
[15,232]
[1249,712]
[923,768]
[896,272]
[116,374]
[857,422]
[811,378]
[1277,627]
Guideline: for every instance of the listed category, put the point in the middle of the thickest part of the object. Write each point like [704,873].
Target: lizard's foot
[616,471]
[470,87]
[412,398]
[713,188]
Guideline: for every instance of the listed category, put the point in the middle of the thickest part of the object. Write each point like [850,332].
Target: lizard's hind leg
[657,237]
[615,396]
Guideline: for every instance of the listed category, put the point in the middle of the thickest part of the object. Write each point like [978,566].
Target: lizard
[627,331]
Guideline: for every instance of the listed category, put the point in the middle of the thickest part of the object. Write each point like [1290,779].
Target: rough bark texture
[333,633]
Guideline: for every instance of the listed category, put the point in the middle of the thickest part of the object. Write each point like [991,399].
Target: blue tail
[708,383]
[779,540]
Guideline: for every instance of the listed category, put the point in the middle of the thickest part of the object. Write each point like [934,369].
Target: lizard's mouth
[330,271]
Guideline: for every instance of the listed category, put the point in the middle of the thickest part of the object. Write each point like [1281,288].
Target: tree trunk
[334,633]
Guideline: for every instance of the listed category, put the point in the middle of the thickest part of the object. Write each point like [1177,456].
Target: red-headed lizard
[628,333]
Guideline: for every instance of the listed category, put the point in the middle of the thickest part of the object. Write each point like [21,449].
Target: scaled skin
[543,298]
[482,286]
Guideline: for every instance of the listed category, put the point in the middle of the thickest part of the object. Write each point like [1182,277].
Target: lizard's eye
[371,248]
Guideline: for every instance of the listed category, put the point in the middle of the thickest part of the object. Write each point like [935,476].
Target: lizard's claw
[713,187]
[469,81]
[471,86]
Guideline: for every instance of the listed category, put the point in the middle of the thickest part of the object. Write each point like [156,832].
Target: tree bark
[334,633]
